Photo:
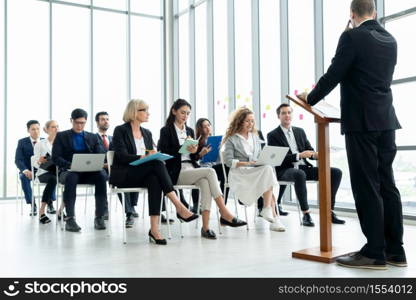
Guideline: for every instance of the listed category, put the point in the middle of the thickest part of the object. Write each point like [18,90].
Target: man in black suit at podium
[364,64]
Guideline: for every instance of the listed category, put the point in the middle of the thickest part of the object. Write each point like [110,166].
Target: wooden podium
[325,253]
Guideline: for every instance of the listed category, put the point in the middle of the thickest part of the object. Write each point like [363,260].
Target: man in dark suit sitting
[24,152]
[295,167]
[66,144]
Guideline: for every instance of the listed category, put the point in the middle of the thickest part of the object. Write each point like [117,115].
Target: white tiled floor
[29,249]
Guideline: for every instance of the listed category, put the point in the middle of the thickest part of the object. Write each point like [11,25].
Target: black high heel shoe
[189,219]
[156,241]
[235,222]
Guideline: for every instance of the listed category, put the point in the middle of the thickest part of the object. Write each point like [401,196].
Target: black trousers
[220,175]
[377,199]
[48,192]
[154,176]
[71,179]
[299,176]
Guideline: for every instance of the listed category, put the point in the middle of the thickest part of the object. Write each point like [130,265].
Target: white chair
[19,196]
[227,186]
[114,189]
[35,183]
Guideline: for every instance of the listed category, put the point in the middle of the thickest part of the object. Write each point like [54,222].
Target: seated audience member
[242,147]
[24,152]
[295,166]
[132,142]
[46,169]
[102,119]
[66,144]
[184,169]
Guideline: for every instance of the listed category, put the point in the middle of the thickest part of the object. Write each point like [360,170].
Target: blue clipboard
[156,156]
[215,143]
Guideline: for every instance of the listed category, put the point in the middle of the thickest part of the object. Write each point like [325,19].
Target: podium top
[320,117]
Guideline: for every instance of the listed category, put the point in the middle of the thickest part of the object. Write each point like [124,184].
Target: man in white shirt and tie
[295,167]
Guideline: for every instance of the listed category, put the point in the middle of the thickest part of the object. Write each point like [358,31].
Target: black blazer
[63,148]
[169,144]
[24,152]
[278,138]
[364,64]
[125,151]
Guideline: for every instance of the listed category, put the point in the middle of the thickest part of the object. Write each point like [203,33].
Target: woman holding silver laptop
[132,142]
[242,147]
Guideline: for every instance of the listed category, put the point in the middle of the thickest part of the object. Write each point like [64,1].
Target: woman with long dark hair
[184,168]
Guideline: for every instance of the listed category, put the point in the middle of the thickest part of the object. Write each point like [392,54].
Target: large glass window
[184,82]
[269,64]
[119,4]
[394,6]
[401,29]
[221,96]
[152,7]
[28,74]
[70,65]
[301,59]
[110,64]
[1,97]
[146,68]
[201,101]
[183,4]
[405,176]
[243,67]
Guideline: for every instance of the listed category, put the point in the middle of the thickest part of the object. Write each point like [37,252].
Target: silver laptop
[272,155]
[87,162]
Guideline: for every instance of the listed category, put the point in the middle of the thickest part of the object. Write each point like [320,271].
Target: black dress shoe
[33,212]
[165,221]
[71,225]
[154,240]
[99,223]
[51,209]
[336,220]
[106,216]
[307,220]
[209,234]
[357,260]
[396,260]
[189,219]
[234,222]
[281,211]
[129,221]
[134,213]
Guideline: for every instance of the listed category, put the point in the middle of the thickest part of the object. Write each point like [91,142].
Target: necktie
[105,142]
[293,146]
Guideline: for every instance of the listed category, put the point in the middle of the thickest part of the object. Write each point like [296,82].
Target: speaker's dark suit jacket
[169,144]
[63,148]
[277,138]
[125,151]
[364,64]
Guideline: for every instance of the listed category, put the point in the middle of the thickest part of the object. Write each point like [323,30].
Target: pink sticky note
[296,92]
[264,115]
[218,102]
[313,86]
[225,106]
[251,93]
[300,116]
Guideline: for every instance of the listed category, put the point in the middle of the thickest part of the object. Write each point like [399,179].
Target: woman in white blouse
[42,153]
[242,147]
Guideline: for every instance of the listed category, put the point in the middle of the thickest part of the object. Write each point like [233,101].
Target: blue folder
[156,156]
[215,143]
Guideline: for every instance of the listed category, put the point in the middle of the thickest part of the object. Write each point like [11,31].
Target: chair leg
[245,211]
[198,207]
[62,218]
[144,204]
[236,204]
[298,205]
[110,217]
[86,198]
[218,220]
[123,203]
[168,223]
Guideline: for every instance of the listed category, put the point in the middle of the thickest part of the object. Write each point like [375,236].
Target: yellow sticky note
[268,107]
[238,96]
